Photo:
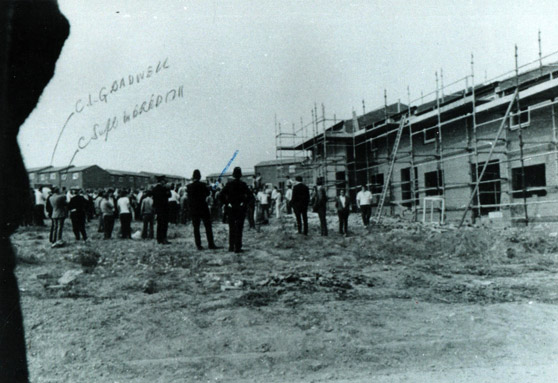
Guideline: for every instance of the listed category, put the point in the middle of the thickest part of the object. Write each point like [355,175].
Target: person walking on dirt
[199,211]
[235,196]
[320,207]
[364,203]
[78,213]
[343,208]
[299,202]
[161,196]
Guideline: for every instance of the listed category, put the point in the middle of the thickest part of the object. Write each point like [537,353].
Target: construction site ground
[397,303]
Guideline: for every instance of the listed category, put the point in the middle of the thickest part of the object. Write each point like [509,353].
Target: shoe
[213,247]
[200,247]
[239,251]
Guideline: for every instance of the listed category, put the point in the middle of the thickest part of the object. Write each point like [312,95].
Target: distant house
[52,175]
[277,171]
[94,177]
[85,177]
[128,180]
[174,179]
[35,178]
[247,176]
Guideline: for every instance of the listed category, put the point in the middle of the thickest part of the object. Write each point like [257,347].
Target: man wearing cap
[235,196]
[197,198]
[161,196]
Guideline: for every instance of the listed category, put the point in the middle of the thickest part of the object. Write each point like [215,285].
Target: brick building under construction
[429,155]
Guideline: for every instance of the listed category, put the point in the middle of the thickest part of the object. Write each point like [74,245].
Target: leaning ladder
[387,180]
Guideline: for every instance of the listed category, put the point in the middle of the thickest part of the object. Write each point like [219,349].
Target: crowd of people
[197,202]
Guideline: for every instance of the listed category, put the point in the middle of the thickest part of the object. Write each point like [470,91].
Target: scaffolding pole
[489,156]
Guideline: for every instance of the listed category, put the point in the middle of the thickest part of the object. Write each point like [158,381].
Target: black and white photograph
[342,191]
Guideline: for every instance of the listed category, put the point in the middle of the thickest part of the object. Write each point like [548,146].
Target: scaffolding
[359,151]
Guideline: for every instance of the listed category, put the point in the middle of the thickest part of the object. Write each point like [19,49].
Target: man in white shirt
[174,204]
[343,209]
[364,203]
[263,200]
[125,211]
[288,198]
[276,198]
[39,208]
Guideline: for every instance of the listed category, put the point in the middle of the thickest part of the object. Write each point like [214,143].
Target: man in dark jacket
[235,196]
[343,208]
[197,198]
[78,210]
[161,196]
[299,203]
[320,207]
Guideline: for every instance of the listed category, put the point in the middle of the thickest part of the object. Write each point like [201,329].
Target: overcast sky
[242,62]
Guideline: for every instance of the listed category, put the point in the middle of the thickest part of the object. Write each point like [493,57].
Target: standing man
[184,207]
[300,200]
[236,196]
[78,211]
[364,203]
[107,213]
[161,196]
[263,199]
[173,205]
[342,205]
[59,214]
[251,208]
[288,198]
[197,197]
[320,207]
[125,214]
[39,209]
[146,212]
[276,200]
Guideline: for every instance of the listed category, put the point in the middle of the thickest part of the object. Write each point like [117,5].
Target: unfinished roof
[282,161]
[149,174]
[247,173]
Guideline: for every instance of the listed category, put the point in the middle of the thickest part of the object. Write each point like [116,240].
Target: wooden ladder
[390,171]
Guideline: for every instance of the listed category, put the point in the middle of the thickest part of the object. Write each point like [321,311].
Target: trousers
[78,225]
[56,229]
[206,219]
[236,225]
[301,215]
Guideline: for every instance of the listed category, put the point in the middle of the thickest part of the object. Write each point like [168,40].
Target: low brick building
[94,177]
